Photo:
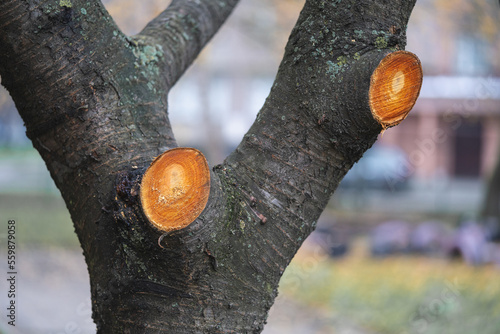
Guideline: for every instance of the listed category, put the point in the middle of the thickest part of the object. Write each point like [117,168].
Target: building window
[468,149]
[471,57]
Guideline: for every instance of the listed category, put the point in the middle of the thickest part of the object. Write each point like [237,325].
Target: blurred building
[453,130]
[451,133]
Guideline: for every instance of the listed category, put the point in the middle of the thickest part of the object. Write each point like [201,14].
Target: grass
[400,294]
[29,196]
[41,220]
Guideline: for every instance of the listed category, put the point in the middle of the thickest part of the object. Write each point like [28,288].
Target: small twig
[163,236]
[253,204]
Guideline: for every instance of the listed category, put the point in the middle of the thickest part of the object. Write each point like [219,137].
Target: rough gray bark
[95,106]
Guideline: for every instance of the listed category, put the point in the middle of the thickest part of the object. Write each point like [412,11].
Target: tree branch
[183,29]
[319,118]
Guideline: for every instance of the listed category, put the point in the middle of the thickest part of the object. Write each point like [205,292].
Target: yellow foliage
[383,293]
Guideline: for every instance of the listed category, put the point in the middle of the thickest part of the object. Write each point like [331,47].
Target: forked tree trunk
[95,106]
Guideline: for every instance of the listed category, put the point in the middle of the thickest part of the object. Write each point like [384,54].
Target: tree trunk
[95,106]
[491,204]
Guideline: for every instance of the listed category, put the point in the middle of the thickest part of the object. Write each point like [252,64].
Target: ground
[54,298]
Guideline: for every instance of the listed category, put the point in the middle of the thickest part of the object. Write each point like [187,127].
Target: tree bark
[94,102]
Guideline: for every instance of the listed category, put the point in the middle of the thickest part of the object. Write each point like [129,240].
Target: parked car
[430,237]
[381,167]
[391,237]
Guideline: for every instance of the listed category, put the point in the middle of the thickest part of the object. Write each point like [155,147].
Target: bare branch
[184,28]
[319,118]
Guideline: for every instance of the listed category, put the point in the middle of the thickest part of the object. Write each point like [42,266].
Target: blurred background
[408,243]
